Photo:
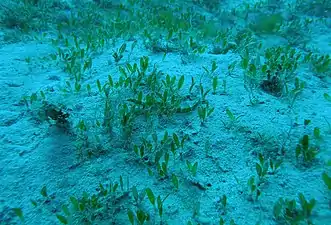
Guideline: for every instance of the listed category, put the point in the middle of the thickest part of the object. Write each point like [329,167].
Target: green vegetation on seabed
[139,105]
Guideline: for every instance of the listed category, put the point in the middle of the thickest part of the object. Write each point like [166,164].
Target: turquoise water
[165,112]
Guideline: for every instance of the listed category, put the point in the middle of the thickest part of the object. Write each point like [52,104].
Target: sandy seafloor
[33,153]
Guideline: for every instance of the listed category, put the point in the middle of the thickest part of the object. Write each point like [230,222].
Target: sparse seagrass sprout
[122,48]
[215,84]
[118,55]
[29,100]
[329,125]
[253,189]
[192,168]
[108,114]
[135,194]
[299,86]
[261,167]
[277,209]
[306,208]
[81,126]
[33,98]
[42,95]
[176,139]
[230,115]
[274,165]
[164,56]
[132,69]
[99,86]
[165,163]
[196,209]
[170,34]
[62,219]
[179,143]
[224,84]
[89,89]
[233,119]
[175,182]
[244,59]
[127,115]
[224,201]
[173,150]
[66,209]
[231,68]
[200,49]
[165,140]
[158,156]
[180,82]
[184,138]
[67,88]
[223,204]
[19,213]
[142,217]
[160,206]
[47,197]
[121,183]
[134,44]
[306,122]
[327,180]
[192,44]
[212,69]
[162,168]
[192,85]
[140,151]
[204,112]
[131,217]
[78,86]
[144,63]
[151,196]
[203,93]
[327,97]
[317,133]
[306,149]
[221,222]
[43,192]
[34,203]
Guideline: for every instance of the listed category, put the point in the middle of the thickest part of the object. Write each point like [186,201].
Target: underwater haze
[165,112]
